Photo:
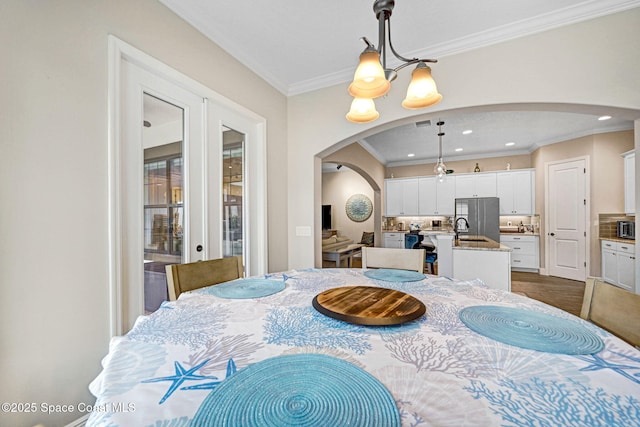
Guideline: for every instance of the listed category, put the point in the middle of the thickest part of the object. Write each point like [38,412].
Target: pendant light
[440,169]
[372,78]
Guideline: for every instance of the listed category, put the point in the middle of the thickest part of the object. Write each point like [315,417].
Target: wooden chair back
[195,275]
[405,259]
[612,308]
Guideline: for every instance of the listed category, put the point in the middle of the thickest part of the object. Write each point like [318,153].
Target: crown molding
[570,15]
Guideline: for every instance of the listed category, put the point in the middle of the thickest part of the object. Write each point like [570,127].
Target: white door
[237,187]
[566,218]
[162,222]
[193,223]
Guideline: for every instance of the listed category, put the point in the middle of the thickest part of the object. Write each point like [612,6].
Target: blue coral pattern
[439,371]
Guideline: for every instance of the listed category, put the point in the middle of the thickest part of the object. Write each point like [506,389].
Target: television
[326,217]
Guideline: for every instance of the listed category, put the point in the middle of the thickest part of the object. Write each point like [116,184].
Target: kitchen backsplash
[608,224]
[531,222]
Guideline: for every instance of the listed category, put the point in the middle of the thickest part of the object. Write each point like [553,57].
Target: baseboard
[80,422]
[526,270]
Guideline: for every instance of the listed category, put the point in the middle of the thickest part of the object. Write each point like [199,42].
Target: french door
[173,196]
[162,185]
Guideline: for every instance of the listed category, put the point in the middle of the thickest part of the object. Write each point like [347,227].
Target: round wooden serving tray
[367,305]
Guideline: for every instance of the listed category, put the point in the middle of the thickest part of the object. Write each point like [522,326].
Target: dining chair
[612,308]
[416,241]
[405,259]
[195,275]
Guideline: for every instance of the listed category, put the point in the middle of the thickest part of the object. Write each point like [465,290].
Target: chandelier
[373,79]
[440,169]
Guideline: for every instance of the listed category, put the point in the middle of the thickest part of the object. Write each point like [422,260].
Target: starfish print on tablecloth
[231,369]
[180,377]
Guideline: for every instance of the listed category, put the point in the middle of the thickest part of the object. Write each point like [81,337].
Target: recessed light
[458,149]
[604,118]
[509,144]
[467,132]
[410,155]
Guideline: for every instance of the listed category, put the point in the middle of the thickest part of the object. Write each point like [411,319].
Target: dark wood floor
[562,293]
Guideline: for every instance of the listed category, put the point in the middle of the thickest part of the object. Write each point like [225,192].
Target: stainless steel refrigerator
[483,215]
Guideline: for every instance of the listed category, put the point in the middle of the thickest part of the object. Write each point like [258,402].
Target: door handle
[552,234]
[199,248]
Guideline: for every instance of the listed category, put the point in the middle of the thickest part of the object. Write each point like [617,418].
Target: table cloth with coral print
[438,371]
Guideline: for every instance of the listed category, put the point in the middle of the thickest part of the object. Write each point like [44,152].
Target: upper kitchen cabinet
[476,185]
[516,192]
[401,197]
[436,197]
[630,182]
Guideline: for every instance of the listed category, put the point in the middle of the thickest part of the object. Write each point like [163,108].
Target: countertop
[487,245]
[619,239]
[424,231]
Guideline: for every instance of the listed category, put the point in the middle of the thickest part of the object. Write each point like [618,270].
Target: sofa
[334,243]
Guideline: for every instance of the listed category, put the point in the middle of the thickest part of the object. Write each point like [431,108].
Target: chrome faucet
[455,226]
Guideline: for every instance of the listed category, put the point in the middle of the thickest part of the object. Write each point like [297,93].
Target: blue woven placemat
[394,275]
[245,288]
[299,390]
[531,330]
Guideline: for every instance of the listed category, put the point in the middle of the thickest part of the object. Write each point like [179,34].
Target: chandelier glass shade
[372,78]
[422,91]
[369,80]
[362,110]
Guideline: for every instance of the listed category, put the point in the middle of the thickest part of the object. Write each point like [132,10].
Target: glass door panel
[233,227]
[163,130]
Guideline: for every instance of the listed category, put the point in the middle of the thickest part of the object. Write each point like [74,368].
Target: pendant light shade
[440,169]
[369,80]
[422,91]
[363,110]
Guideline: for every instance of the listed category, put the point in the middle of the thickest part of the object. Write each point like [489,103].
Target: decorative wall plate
[359,208]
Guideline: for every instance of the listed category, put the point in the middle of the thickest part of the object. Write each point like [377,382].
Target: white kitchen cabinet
[516,192]
[436,197]
[609,263]
[630,182]
[525,251]
[626,271]
[401,197]
[476,185]
[393,240]
[618,264]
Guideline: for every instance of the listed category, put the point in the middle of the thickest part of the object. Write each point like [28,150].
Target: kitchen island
[475,257]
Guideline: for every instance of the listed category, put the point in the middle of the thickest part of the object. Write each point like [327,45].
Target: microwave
[626,230]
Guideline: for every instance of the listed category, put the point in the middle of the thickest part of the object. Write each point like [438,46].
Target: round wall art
[359,208]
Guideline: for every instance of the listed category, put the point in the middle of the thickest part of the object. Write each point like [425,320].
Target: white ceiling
[303,45]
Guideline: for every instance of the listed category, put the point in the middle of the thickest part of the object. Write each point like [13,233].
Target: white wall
[574,68]
[54,289]
[337,187]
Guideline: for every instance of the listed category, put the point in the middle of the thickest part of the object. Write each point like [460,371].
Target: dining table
[298,348]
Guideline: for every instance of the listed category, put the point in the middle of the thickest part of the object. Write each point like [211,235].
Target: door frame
[120,51]
[587,190]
